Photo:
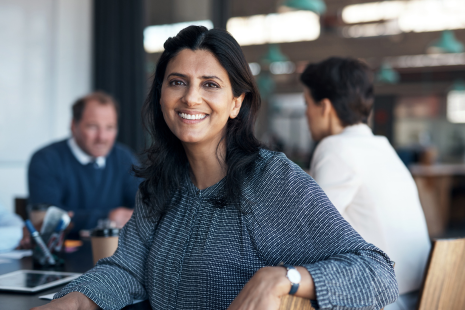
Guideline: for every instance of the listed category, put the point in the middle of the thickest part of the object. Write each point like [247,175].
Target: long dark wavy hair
[166,166]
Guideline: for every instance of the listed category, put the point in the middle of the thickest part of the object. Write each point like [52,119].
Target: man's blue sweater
[56,177]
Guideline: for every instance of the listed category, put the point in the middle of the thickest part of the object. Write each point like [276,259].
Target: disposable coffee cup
[104,242]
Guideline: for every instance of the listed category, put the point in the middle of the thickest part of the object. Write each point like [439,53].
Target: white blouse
[374,191]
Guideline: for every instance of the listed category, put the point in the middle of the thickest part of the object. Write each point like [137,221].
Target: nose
[192,96]
[101,135]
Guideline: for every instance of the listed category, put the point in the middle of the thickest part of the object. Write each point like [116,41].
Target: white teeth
[192,116]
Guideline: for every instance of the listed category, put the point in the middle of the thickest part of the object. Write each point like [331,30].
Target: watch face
[293,275]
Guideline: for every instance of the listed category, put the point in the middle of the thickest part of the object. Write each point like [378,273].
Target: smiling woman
[221,223]
[203,93]
[197,105]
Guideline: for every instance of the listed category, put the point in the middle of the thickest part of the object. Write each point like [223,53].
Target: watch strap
[295,286]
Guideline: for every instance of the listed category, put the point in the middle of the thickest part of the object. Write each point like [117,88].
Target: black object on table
[79,261]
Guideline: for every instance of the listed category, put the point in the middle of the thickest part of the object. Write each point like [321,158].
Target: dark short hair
[346,82]
[99,96]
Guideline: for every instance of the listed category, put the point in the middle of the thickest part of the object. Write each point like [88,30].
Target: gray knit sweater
[200,254]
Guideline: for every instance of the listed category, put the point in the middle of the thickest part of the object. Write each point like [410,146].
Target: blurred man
[361,173]
[87,174]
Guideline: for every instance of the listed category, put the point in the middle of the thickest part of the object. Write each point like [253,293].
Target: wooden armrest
[290,302]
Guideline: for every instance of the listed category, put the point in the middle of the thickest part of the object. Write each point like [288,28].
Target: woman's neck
[207,163]
[335,125]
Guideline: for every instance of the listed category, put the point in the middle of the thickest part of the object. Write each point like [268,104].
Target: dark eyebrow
[205,77]
[177,74]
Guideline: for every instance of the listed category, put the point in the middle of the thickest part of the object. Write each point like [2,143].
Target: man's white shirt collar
[83,157]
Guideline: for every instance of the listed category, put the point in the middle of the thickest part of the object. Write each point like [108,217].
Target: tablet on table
[31,281]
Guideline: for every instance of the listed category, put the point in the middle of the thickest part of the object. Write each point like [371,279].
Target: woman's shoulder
[334,143]
[275,174]
[268,158]
[271,164]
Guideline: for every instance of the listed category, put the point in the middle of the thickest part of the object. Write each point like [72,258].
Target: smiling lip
[191,117]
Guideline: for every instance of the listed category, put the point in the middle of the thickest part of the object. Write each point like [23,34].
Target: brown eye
[177,83]
[211,84]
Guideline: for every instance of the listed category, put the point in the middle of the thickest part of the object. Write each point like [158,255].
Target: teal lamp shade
[266,85]
[273,54]
[387,75]
[317,6]
[447,43]
[459,85]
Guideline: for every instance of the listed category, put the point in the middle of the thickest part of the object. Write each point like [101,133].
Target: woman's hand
[72,301]
[263,291]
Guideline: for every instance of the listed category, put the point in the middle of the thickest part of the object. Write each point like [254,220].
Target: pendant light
[387,75]
[447,43]
[266,85]
[317,6]
[265,82]
[273,54]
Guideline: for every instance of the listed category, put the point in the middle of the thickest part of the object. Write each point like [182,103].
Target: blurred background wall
[45,64]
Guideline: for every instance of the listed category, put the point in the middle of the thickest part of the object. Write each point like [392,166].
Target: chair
[21,207]
[444,283]
[289,302]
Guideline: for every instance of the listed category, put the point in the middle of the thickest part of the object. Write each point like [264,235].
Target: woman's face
[197,98]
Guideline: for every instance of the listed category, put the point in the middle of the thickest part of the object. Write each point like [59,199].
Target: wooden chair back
[444,283]
[289,302]
[21,207]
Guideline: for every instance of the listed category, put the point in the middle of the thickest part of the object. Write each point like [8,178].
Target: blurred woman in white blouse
[361,173]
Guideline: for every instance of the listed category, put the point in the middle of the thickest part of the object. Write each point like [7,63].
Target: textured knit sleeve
[292,221]
[119,279]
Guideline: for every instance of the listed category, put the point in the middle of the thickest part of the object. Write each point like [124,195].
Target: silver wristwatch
[294,276]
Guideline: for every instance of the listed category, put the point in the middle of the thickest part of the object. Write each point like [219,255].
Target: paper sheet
[50,297]
[16,254]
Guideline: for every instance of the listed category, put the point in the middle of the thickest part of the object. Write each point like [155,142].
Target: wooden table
[434,183]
